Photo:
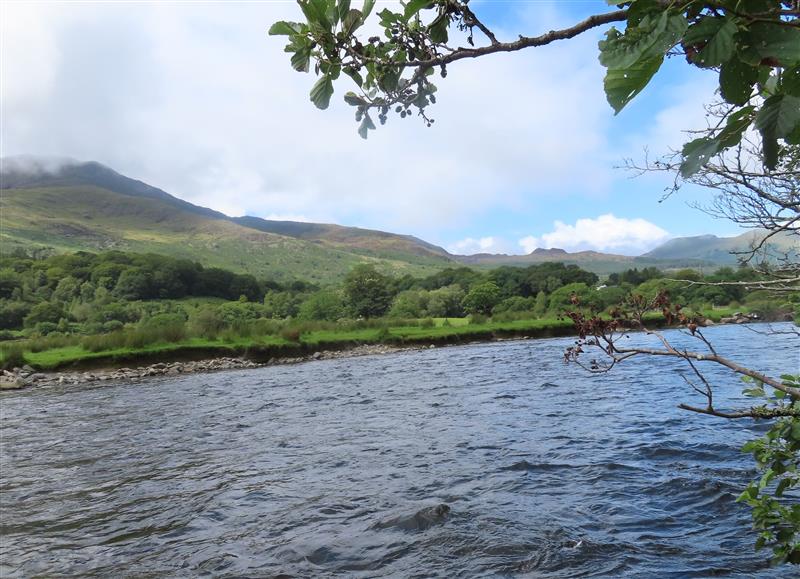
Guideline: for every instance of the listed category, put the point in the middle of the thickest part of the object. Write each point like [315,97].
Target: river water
[336,468]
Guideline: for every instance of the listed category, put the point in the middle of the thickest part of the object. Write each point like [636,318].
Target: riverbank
[73,365]
[27,376]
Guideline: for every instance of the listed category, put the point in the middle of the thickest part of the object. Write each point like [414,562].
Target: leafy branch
[753,46]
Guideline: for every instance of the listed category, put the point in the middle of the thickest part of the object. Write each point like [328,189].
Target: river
[336,468]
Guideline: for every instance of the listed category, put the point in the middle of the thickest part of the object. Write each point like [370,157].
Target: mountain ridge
[87,205]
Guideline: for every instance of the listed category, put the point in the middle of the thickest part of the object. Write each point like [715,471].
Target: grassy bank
[263,342]
[263,347]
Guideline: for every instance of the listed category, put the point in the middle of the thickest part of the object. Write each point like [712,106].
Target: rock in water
[419,521]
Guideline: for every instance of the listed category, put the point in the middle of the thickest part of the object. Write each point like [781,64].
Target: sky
[196,99]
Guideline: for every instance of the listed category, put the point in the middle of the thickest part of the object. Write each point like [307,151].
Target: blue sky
[196,99]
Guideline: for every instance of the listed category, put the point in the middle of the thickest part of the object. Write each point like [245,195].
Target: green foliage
[368,293]
[540,306]
[11,356]
[482,298]
[515,304]
[776,514]
[755,46]
[44,312]
[322,305]
[12,314]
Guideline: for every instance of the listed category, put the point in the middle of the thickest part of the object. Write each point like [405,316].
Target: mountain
[723,250]
[87,206]
[70,205]
[600,263]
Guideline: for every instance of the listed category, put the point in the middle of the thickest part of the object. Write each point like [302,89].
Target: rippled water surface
[337,468]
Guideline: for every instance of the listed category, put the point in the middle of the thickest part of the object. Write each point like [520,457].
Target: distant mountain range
[87,206]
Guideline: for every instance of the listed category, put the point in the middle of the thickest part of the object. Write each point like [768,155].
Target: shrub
[111,326]
[290,334]
[44,312]
[12,314]
[427,323]
[206,323]
[45,328]
[11,357]
[477,319]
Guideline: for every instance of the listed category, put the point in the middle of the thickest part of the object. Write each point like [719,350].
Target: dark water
[336,467]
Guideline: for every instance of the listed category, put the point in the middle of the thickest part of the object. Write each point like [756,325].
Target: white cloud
[471,246]
[289,217]
[606,233]
[196,99]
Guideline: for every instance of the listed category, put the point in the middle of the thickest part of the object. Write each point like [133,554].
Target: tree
[445,302]
[749,193]
[322,305]
[482,298]
[753,45]
[540,307]
[410,304]
[754,48]
[368,292]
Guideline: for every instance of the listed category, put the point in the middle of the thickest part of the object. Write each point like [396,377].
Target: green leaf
[301,59]
[697,153]
[790,81]
[736,125]
[438,29]
[415,6]
[736,80]
[316,12]
[622,84]
[343,9]
[355,75]
[779,115]
[322,91]
[352,20]
[366,126]
[353,99]
[367,10]
[715,36]
[284,28]
[774,42]
[652,38]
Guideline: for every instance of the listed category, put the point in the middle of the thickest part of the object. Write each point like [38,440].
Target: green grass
[269,345]
[459,330]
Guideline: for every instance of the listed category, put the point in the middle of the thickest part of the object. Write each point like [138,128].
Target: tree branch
[524,41]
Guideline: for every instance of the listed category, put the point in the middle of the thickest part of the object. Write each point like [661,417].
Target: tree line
[99,293]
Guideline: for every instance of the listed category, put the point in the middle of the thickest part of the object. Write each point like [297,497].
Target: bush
[44,312]
[206,323]
[6,335]
[12,314]
[290,334]
[111,326]
[11,357]
[427,323]
[45,328]
[477,319]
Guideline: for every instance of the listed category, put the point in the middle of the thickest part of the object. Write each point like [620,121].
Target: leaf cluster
[776,516]
[752,45]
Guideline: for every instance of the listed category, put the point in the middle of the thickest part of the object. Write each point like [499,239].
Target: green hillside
[68,206]
[91,218]
[71,206]
[596,262]
[722,250]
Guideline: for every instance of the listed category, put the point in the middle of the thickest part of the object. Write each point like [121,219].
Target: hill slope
[722,250]
[600,263]
[72,206]
[89,206]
